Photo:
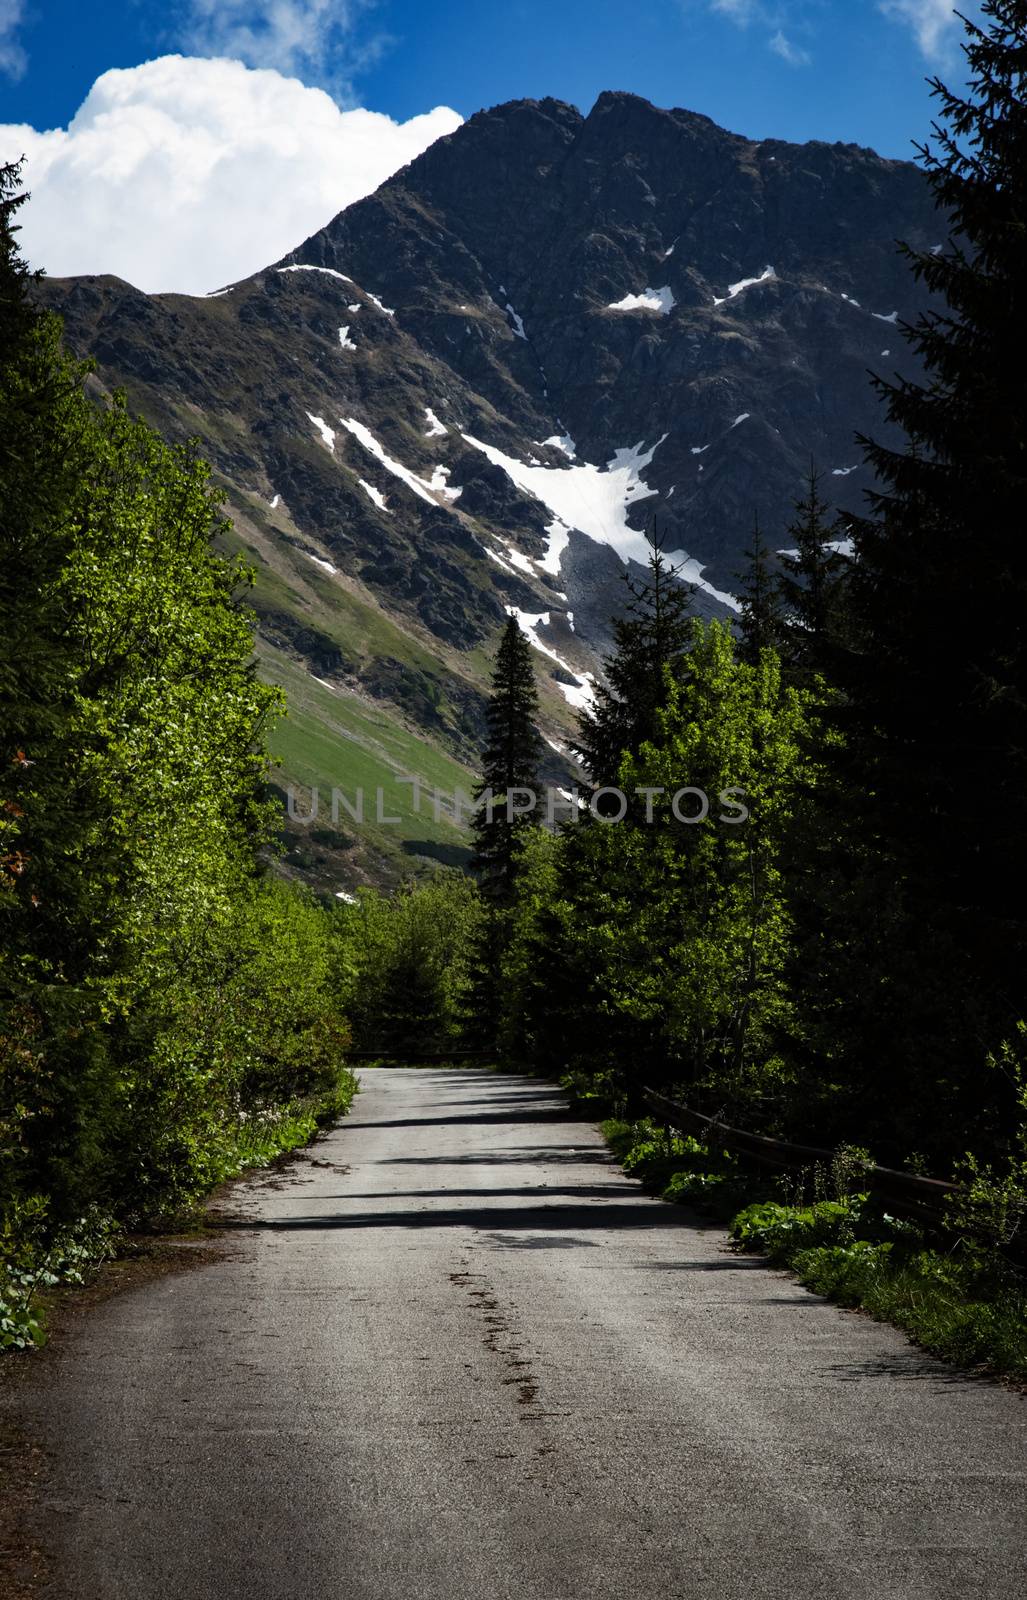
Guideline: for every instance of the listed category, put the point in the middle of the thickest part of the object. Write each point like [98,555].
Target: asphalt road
[454,1355]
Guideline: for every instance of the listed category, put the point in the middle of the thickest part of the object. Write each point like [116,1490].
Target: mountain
[548,340]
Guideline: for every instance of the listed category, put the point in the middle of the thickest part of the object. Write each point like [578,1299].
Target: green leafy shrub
[696,1188]
[34,1258]
[404,963]
[168,1012]
[966,1308]
[677,1166]
[781,1230]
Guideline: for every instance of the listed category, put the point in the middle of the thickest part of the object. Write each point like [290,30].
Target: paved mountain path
[452,1354]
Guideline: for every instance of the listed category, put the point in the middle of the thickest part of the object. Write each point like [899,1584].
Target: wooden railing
[908,1195]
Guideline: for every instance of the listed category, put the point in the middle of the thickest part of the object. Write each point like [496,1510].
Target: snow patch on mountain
[735,289]
[375,495]
[691,571]
[842,547]
[500,561]
[558,539]
[439,482]
[376,302]
[521,562]
[329,272]
[345,341]
[424,489]
[517,320]
[435,427]
[326,566]
[892,317]
[660,300]
[595,500]
[579,693]
[327,433]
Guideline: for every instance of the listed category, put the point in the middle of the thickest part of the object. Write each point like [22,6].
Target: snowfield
[735,289]
[659,300]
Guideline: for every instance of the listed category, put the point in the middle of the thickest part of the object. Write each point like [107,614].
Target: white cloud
[792,53]
[187,174]
[772,15]
[934,23]
[315,39]
[13,60]
[741,11]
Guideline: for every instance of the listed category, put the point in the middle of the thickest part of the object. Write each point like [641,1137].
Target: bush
[404,964]
[781,1230]
[33,1259]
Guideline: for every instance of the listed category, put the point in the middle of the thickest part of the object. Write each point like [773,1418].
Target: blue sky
[794,69]
[184,146]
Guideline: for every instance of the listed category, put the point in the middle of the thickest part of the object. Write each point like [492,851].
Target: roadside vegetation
[951,1287]
[823,944]
[168,1012]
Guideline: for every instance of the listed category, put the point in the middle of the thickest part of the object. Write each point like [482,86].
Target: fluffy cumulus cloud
[12,56]
[935,25]
[187,174]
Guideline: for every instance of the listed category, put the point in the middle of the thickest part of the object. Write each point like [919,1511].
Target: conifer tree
[17,317]
[762,621]
[938,687]
[811,583]
[510,762]
[650,639]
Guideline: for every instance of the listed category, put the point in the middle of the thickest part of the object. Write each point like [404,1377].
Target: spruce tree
[17,316]
[810,585]
[651,638]
[510,761]
[938,688]
[762,621]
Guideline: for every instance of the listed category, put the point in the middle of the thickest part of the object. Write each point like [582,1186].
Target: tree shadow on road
[642,1216]
[541,1113]
[580,1191]
[909,1367]
[539,1241]
[541,1154]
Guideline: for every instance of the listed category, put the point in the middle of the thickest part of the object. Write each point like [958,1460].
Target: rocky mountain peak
[550,338]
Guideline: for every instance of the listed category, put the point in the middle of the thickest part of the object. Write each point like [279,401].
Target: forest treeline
[168,1010]
[848,965]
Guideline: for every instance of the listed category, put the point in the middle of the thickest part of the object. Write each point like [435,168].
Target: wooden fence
[907,1195]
